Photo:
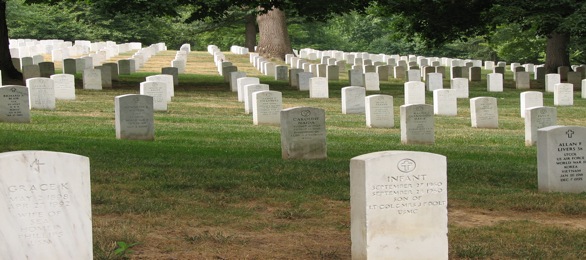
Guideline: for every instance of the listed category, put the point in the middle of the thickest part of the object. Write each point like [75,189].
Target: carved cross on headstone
[570,133]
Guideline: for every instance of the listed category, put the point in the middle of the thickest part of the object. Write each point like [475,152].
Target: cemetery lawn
[213,185]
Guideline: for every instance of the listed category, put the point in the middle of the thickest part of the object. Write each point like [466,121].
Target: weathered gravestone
[125,67]
[92,79]
[484,112]
[294,77]
[530,99]
[353,100]
[134,117]
[14,104]
[303,133]
[45,206]
[175,73]
[303,80]
[356,78]
[106,76]
[417,124]
[445,102]
[114,74]
[157,90]
[46,68]
[69,66]
[379,111]
[41,93]
[522,80]
[561,159]
[281,72]
[398,202]
[64,85]
[536,118]
[266,107]
[575,79]
[30,71]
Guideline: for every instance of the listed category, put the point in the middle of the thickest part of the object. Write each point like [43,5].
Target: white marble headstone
[535,118]
[353,100]
[445,102]
[157,90]
[303,133]
[45,206]
[530,99]
[248,90]
[399,203]
[41,93]
[266,107]
[379,111]
[484,112]
[414,92]
[64,86]
[561,155]
[417,124]
[92,79]
[563,94]
[318,87]
[134,117]
[241,82]
[14,104]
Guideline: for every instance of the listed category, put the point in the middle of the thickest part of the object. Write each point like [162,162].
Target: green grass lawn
[213,185]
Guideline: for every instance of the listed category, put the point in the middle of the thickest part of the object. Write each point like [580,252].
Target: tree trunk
[250,32]
[6,66]
[556,53]
[274,38]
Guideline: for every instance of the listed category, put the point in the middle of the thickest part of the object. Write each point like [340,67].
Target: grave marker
[560,159]
[484,112]
[266,107]
[45,206]
[535,118]
[14,104]
[134,117]
[530,99]
[379,111]
[64,85]
[303,133]
[417,124]
[157,90]
[41,93]
[399,205]
[353,100]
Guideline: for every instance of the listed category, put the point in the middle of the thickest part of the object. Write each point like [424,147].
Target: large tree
[446,20]
[6,65]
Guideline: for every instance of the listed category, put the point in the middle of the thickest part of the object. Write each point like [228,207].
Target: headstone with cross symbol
[45,206]
[561,159]
[398,202]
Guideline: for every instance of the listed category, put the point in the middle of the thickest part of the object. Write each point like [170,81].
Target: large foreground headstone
[417,124]
[303,133]
[561,159]
[14,104]
[398,205]
[45,206]
[134,117]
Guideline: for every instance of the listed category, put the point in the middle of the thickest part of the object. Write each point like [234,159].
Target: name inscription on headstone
[406,193]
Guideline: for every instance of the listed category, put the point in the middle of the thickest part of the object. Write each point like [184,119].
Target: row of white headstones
[407,189]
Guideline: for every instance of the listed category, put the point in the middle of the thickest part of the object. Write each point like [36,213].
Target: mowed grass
[213,185]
